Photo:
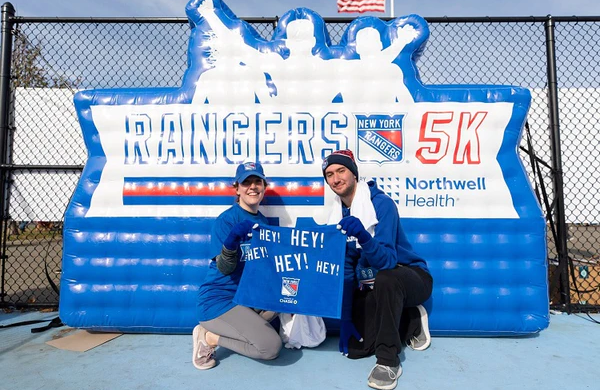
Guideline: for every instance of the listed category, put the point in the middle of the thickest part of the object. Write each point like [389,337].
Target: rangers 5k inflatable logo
[288,102]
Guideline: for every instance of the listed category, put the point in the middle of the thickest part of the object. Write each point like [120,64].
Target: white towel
[361,208]
[298,330]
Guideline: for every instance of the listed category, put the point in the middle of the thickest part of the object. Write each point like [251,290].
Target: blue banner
[294,270]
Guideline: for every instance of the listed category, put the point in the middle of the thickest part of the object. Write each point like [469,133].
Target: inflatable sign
[161,162]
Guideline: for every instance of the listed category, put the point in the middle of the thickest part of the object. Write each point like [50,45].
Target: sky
[326,8]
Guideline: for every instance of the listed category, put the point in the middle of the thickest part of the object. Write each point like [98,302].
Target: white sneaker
[421,340]
[203,357]
[384,377]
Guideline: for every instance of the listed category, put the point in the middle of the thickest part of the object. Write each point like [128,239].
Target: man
[393,281]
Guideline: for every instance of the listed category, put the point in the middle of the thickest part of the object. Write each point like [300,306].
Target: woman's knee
[271,346]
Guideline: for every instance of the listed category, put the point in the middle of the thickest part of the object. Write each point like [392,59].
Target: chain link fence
[53,58]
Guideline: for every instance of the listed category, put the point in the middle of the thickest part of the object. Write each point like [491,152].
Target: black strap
[54,323]
[542,195]
[52,284]
[22,323]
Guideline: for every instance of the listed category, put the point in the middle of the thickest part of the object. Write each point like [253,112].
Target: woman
[222,322]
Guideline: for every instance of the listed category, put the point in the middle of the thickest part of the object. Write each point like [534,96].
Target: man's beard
[349,190]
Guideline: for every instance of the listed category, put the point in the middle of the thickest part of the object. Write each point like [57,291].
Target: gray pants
[244,331]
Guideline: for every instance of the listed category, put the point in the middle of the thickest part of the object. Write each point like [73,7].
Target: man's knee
[389,283]
[386,279]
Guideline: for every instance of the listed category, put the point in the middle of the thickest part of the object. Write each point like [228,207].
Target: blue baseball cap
[248,169]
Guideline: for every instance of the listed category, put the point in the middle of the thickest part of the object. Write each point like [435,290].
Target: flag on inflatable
[361,6]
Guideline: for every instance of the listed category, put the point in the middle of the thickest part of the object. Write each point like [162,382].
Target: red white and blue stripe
[219,191]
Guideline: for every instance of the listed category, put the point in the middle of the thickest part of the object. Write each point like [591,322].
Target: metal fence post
[559,196]
[8,12]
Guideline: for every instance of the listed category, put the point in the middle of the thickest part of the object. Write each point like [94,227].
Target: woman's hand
[238,233]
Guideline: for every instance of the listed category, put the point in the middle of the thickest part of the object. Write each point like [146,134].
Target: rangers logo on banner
[289,286]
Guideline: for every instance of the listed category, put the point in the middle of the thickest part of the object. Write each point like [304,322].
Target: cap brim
[246,175]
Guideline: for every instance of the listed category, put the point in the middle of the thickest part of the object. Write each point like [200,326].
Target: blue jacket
[388,247]
[217,291]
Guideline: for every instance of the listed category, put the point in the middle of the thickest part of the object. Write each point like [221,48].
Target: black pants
[386,316]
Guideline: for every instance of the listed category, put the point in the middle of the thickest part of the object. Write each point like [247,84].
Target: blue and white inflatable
[161,161]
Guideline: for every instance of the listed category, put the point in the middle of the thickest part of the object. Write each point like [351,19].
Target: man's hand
[238,233]
[353,227]
[347,330]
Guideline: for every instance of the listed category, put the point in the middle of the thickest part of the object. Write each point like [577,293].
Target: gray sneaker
[421,340]
[384,377]
[203,357]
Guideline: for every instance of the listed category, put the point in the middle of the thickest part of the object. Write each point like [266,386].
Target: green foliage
[28,67]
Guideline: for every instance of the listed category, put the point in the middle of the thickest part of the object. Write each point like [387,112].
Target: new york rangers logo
[379,138]
[249,166]
[289,286]
[244,248]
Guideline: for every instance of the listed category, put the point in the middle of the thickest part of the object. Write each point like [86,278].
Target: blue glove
[238,233]
[353,227]
[347,330]
[365,276]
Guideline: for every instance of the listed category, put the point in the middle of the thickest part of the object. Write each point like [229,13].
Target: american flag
[361,6]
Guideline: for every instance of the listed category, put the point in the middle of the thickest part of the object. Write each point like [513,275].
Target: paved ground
[564,356]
